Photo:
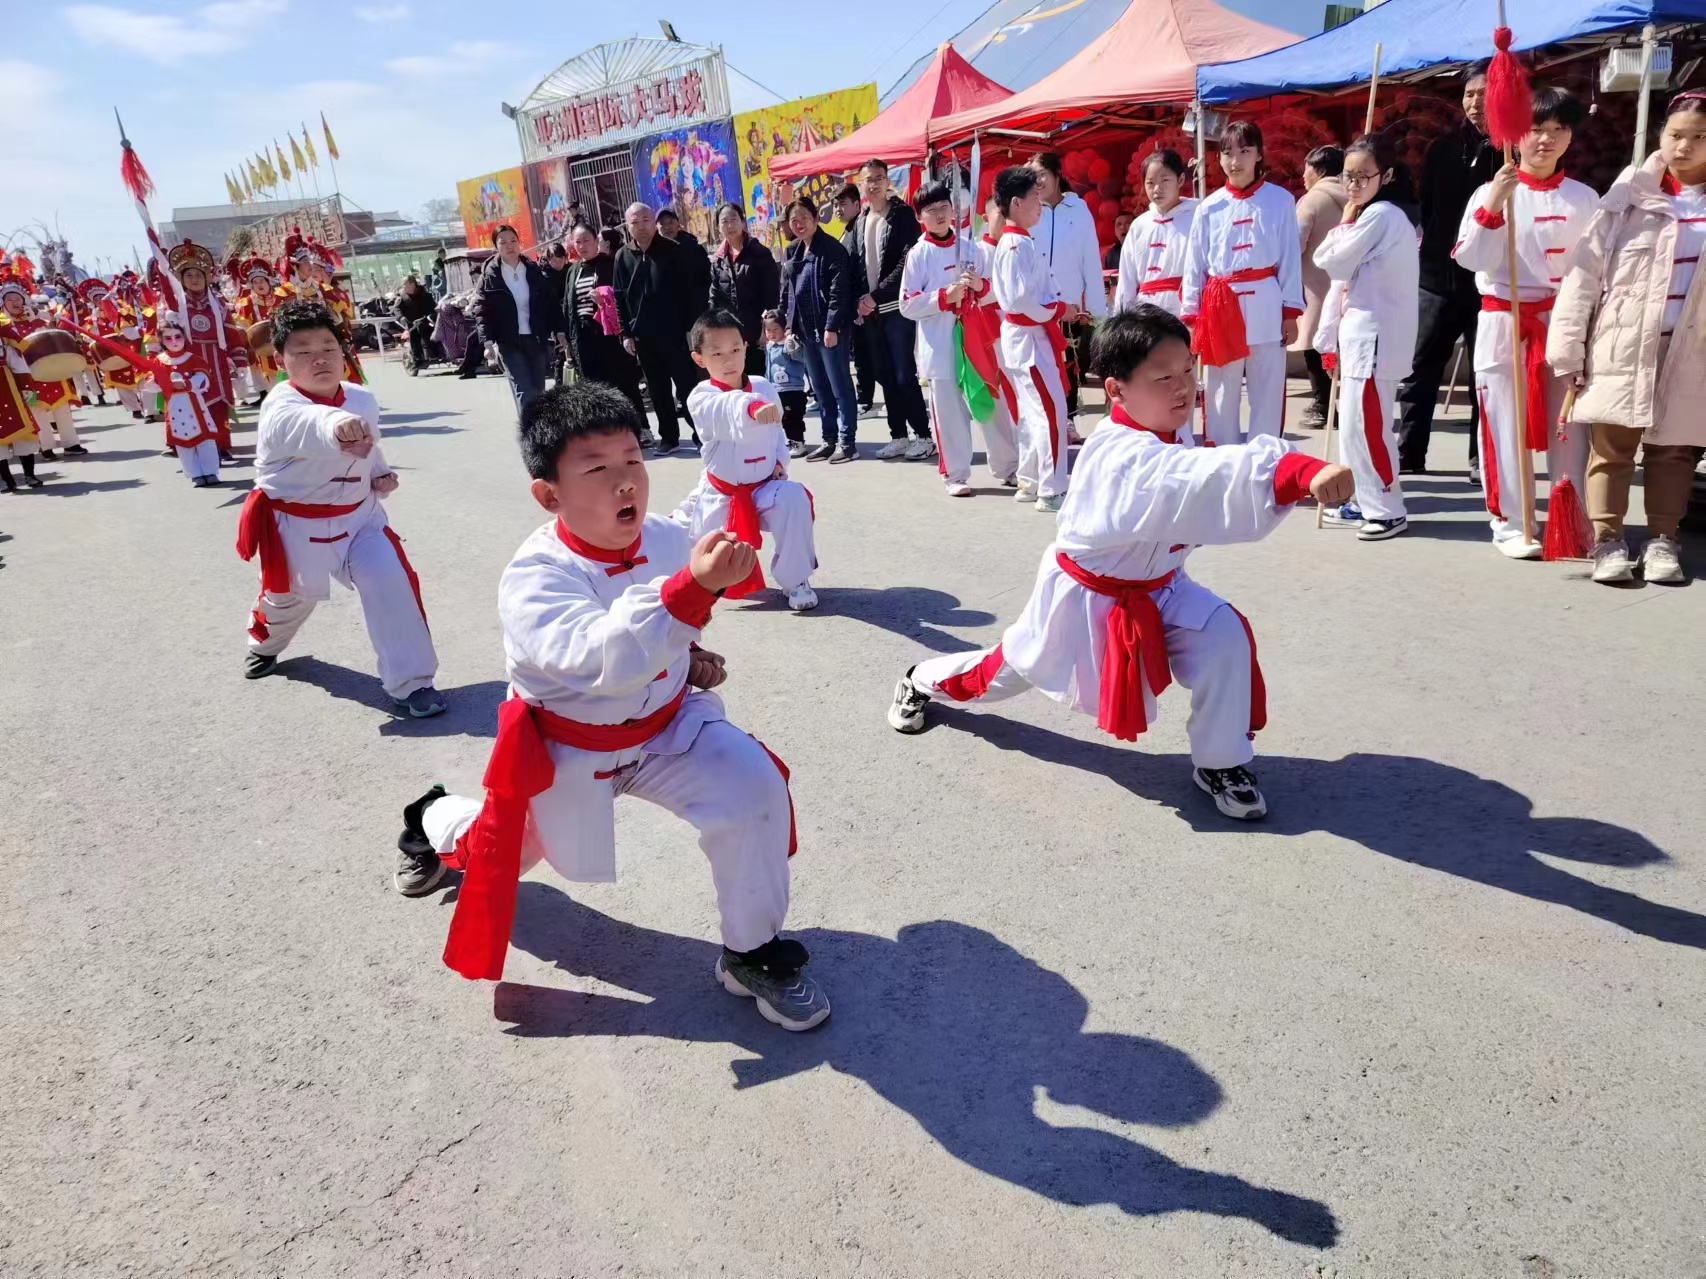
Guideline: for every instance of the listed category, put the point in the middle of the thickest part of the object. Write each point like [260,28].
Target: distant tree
[441,209]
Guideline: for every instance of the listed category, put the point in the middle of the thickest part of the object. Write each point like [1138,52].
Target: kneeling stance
[601,609]
[1113,618]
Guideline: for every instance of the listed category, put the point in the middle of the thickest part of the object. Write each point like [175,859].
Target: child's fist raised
[1333,485]
[768,414]
[720,560]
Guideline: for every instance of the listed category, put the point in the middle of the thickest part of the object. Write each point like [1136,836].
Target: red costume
[212,335]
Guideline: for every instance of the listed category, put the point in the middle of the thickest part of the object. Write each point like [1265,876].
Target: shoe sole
[801,608]
[727,981]
[898,722]
[1334,521]
[424,889]
[414,714]
[248,674]
[1529,550]
[1249,815]
[1615,577]
[1382,535]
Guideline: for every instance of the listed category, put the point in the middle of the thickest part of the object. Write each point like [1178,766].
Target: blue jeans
[831,374]
[528,362]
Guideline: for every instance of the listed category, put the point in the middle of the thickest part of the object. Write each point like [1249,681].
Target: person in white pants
[602,610]
[1113,617]
[1369,320]
[1551,212]
[1033,347]
[745,487]
[1001,432]
[940,276]
[1243,291]
[314,515]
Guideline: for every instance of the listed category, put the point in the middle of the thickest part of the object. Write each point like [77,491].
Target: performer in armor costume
[216,341]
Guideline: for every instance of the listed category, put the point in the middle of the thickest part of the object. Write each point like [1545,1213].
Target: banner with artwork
[549,196]
[692,170]
[493,200]
[784,129]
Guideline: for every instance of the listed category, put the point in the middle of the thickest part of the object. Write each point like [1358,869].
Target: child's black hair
[564,412]
[1125,340]
[1553,103]
[931,193]
[1167,158]
[1050,160]
[1328,161]
[1687,100]
[715,320]
[299,316]
[1014,182]
[847,191]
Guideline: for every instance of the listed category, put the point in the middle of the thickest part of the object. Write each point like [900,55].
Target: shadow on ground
[947,1022]
[472,709]
[1415,810]
[913,611]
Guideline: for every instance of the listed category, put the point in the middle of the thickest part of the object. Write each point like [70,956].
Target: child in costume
[1113,618]
[53,403]
[184,385]
[601,609]
[746,488]
[19,436]
[1152,260]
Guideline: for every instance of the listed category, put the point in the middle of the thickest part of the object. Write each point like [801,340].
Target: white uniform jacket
[1369,314]
[931,269]
[1023,287]
[1250,230]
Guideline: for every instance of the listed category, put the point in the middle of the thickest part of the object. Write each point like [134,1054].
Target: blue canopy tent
[1419,35]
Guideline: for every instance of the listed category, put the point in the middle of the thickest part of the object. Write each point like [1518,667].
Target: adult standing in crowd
[883,233]
[595,331]
[1320,210]
[818,306]
[520,314]
[556,268]
[670,228]
[745,280]
[1067,237]
[1452,169]
[848,203]
[661,287]
[414,310]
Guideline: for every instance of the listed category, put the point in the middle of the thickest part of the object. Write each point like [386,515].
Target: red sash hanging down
[743,523]
[1136,648]
[1533,331]
[1219,335]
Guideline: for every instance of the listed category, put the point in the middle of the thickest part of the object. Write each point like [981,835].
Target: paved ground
[1441,1016]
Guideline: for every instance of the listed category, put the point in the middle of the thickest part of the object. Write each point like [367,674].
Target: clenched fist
[352,436]
[705,668]
[768,414]
[385,484]
[720,560]
[1333,485]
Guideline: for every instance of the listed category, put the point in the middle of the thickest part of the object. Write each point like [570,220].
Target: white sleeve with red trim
[766,391]
[1196,257]
[920,299]
[1480,236]
[291,425]
[718,414]
[1134,256]
[1021,281]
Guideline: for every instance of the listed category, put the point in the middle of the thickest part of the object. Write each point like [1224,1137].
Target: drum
[113,363]
[53,355]
[260,339]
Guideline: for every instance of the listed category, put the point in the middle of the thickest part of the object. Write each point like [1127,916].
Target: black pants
[667,362]
[1320,381]
[418,334]
[894,340]
[601,358]
[1077,356]
[473,356]
[1441,320]
[864,365]
[793,414]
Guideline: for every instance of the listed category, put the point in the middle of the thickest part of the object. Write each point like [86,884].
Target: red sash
[1219,335]
[1533,332]
[1056,339]
[1136,648]
[257,531]
[489,851]
[1166,284]
[743,523]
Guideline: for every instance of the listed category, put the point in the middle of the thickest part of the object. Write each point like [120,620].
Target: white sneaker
[802,599]
[919,450]
[959,490]
[1611,562]
[1050,505]
[1661,561]
[1517,548]
[892,450]
[1234,791]
[1025,494]
[906,714]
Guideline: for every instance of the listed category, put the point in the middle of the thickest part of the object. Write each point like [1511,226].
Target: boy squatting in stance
[745,487]
[1113,618]
[314,514]
[601,609]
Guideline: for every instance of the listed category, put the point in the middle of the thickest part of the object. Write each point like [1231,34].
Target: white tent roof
[618,62]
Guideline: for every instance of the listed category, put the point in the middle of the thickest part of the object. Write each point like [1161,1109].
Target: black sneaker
[257,665]
[774,976]
[906,713]
[419,867]
[1234,790]
[846,453]
[225,457]
[48,455]
[1409,467]
[78,449]
[1314,416]
[822,453]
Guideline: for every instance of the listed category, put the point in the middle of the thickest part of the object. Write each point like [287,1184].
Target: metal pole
[1644,102]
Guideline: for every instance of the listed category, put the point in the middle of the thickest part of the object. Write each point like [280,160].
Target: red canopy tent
[901,134]
[1149,56]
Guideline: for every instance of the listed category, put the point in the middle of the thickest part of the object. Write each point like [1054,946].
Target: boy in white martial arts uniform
[314,514]
[1113,618]
[1369,322]
[1152,260]
[601,609]
[1552,212]
[1004,417]
[940,276]
[1033,345]
[1243,290]
[745,487]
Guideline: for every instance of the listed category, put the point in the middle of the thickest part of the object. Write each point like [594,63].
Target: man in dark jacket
[1449,303]
[521,311]
[414,309]
[847,205]
[880,239]
[661,288]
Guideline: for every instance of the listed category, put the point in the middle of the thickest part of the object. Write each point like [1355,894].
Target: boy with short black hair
[1113,618]
[746,488]
[601,609]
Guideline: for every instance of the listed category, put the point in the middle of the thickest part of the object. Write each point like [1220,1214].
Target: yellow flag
[331,146]
[283,164]
[272,173]
[296,154]
[248,187]
[265,170]
[231,190]
[308,142]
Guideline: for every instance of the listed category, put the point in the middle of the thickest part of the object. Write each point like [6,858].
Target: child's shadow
[917,612]
[948,1023]
[1415,810]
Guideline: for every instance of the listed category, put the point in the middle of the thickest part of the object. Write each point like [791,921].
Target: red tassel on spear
[140,186]
[1509,104]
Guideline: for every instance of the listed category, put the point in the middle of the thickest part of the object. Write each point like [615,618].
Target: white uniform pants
[1214,663]
[396,622]
[57,418]
[1369,444]
[729,789]
[951,422]
[1043,424]
[784,513]
[1566,449]
[88,384]
[201,459]
[248,377]
[1258,378]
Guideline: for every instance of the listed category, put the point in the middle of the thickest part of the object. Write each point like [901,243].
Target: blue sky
[411,87]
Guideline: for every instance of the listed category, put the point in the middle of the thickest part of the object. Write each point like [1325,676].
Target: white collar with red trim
[335,400]
[627,556]
[1244,193]
[724,386]
[1541,184]
[1116,411]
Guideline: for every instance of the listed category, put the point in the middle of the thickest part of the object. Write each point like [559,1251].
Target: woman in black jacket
[744,279]
[598,355]
[817,306]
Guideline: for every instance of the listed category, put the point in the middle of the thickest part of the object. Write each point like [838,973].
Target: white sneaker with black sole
[1234,792]
[1379,530]
[906,713]
[892,450]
